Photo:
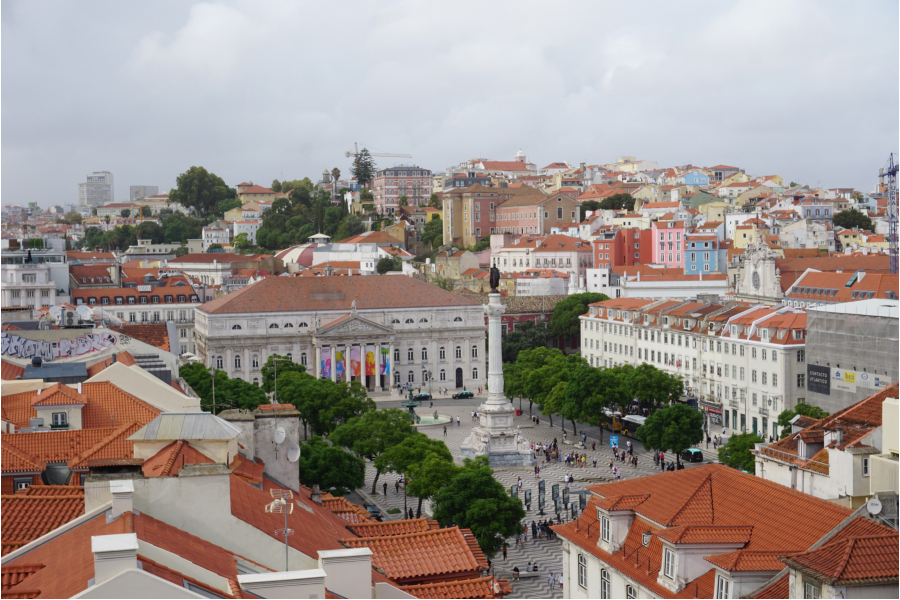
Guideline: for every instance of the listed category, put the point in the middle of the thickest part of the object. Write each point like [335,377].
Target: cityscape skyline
[798,89]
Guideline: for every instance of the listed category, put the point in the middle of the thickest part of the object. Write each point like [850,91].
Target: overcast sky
[256,90]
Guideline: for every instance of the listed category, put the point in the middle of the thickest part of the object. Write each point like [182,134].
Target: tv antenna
[282,505]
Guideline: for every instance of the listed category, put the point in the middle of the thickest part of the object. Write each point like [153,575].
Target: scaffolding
[888,175]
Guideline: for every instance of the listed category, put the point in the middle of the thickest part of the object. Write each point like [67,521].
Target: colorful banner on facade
[370,360]
[385,361]
[339,361]
[354,361]
[326,363]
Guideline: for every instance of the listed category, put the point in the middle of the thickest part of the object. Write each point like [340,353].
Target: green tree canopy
[373,433]
[528,334]
[214,247]
[363,168]
[544,384]
[269,369]
[229,393]
[384,265]
[475,500]
[652,386]
[72,217]
[618,202]
[125,212]
[407,458]
[434,201]
[736,453]
[403,201]
[323,404]
[433,232]
[853,218]
[329,466]
[350,226]
[240,241]
[589,205]
[672,429]
[592,390]
[199,189]
[802,408]
[566,322]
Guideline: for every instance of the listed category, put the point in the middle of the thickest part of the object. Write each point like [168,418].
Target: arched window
[423,320]
[237,362]
[629,592]
[303,358]
[409,355]
[396,377]
[475,373]
[459,352]
[424,376]
[442,354]
[457,319]
[605,591]
[302,324]
[582,571]
[256,382]
[424,353]
[411,377]
[255,361]
[409,321]
[396,355]
[218,362]
[443,375]
[236,327]
[393,321]
[273,326]
[474,351]
[290,357]
[288,324]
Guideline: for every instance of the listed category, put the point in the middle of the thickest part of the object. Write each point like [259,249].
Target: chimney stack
[113,554]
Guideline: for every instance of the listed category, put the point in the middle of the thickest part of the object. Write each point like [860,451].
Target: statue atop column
[495,279]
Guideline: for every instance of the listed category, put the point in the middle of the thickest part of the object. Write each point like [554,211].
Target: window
[604,528]
[457,319]
[237,362]
[582,571]
[669,563]
[218,362]
[442,354]
[442,376]
[182,333]
[801,381]
[774,380]
[396,355]
[132,317]
[559,212]
[409,321]
[255,361]
[303,324]
[801,356]
[302,358]
[459,353]
[752,352]
[753,375]
[410,377]
[474,351]
[22,483]
[605,587]
[810,590]
[764,354]
[410,355]
[58,419]
[721,587]
[475,373]
[236,327]
[424,353]
[865,463]
[774,356]
[629,592]
[423,320]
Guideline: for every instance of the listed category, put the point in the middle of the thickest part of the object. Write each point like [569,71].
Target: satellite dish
[874,506]
[294,453]
[279,435]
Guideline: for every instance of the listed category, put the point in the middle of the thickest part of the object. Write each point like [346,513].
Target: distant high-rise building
[97,190]
[141,191]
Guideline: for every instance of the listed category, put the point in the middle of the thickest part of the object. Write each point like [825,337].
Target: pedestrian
[384,487]
[445,430]
[538,420]
[707,442]
[595,462]
[519,483]
[593,446]
[533,531]
[560,579]
[551,580]
[505,550]
[397,487]
[662,465]
[457,420]
[410,513]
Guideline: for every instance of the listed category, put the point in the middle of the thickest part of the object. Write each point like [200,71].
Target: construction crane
[355,153]
[890,172]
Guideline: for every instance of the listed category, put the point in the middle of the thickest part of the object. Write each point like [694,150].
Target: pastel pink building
[668,243]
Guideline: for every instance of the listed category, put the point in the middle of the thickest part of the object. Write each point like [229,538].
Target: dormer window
[604,528]
[669,563]
[722,585]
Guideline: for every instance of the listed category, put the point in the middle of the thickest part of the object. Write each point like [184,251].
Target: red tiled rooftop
[481,587]
[168,461]
[40,509]
[389,528]
[852,561]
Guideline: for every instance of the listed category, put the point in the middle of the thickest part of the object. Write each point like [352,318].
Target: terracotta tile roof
[792,268]
[73,446]
[13,575]
[388,528]
[418,557]
[10,371]
[123,357]
[277,294]
[58,395]
[346,510]
[100,273]
[17,461]
[702,587]
[481,587]
[174,577]
[320,529]
[780,588]
[155,334]
[707,534]
[371,237]
[876,284]
[247,470]
[855,560]
[37,511]
[220,257]
[503,165]
[75,255]
[168,461]
[747,560]
[256,189]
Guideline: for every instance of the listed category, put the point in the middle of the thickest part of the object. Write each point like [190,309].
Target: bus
[630,423]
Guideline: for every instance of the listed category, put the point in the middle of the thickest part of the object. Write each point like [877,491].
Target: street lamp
[426,376]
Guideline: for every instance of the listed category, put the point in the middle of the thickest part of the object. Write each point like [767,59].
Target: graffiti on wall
[19,347]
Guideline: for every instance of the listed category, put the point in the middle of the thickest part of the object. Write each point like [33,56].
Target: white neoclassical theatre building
[408,331]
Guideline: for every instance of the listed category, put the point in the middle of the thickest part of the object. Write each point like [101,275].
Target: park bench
[524,574]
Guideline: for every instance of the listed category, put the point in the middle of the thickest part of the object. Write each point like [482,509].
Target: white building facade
[97,190]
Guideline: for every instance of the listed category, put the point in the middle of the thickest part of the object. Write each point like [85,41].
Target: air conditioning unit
[70,318]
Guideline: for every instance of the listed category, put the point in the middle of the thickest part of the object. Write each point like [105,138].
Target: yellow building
[714,211]
[747,233]
[874,240]
[635,220]
[256,193]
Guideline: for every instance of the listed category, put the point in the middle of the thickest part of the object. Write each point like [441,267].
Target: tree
[349,227]
[590,391]
[373,433]
[323,404]
[384,265]
[72,217]
[589,205]
[269,369]
[276,186]
[543,384]
[402,201]
[94,212]
[652,386]
[434,201]
[793,184]
[406,458]
[433,232]
[566,321]
[199,189]
[674,428]
[226,204]
[106,219]
[240,242]
[329,466]
[363,168]
[181,251]
[475,500]
[849,219]
[618,202]
[336,174]
[802,408]
[125,212]
[148,230]
[214,247]
[230,393]
[527,335]
[736,453]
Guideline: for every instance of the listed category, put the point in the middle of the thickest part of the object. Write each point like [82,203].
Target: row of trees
[173,228]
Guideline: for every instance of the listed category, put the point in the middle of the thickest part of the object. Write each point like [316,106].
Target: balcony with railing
[794,460]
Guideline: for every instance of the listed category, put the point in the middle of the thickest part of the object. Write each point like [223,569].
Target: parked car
[422,397]
[374,511]
[692,455]
[463,394]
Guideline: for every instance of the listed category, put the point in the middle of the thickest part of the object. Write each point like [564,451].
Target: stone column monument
[495,436]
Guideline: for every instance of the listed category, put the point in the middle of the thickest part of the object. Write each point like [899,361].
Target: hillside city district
[619,380]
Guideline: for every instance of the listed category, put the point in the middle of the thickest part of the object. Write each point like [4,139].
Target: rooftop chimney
[122,496]
[289,584]
[113,554]
[347,571]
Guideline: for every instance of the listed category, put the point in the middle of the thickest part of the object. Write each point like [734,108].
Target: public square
[546,553]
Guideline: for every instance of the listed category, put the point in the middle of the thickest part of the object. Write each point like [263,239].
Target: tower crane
[355,153]
[890,173]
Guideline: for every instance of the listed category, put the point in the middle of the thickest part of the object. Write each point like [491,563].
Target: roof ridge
[73,462]
[413,534]
[706,479]
[12,449]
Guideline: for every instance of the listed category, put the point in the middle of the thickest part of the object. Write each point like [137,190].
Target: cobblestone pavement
[546,553]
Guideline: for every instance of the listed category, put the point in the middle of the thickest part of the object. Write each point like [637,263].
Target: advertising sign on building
[818,379]
[843,380]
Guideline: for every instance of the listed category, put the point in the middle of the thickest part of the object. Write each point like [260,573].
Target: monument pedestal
[496,436]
